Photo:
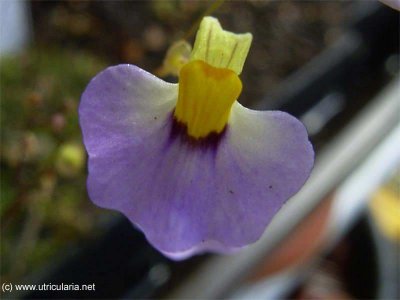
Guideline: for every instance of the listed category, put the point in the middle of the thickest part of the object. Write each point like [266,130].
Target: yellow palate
[209,83]
[206,95]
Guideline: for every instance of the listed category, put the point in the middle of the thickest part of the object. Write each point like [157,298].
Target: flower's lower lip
[185,193]
[179,131]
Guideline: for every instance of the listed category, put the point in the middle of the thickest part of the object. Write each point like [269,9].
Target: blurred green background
[43,196]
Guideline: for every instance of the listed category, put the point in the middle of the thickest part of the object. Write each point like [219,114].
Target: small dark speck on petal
[155,118]
[270,186]
[230,191]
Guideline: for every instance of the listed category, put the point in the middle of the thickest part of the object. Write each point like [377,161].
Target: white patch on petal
[123,105]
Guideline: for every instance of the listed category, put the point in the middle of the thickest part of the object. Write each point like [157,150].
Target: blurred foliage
[286,34]
[43,204]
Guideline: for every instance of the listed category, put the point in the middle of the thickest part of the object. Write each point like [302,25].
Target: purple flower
[186,163]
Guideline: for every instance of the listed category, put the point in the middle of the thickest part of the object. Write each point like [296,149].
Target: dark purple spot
[179,132]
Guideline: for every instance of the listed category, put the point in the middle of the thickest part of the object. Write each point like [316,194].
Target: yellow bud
[70,159]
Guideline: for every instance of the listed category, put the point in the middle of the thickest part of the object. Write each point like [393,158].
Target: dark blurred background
[323,61]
